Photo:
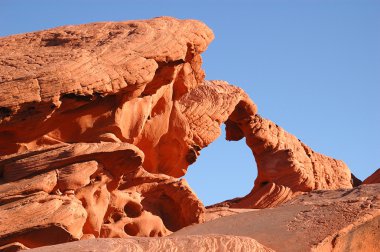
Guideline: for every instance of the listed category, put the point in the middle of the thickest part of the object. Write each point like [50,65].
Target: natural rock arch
[286,166]
[110,115]
[223,170]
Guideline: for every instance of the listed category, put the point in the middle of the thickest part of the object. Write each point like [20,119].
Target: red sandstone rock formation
[285,165]
[98,82]
[107,89]
[220,243]
[149,205]
[98,122]
[90,189]
[374,178]
[334,220]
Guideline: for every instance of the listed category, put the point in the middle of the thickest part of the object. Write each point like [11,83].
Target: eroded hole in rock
[116,216]
[191,156]
[132,209]
[224,170]
[155,233]
[169,212]
[5,112]
[77,97]
[131,229]
[264,183]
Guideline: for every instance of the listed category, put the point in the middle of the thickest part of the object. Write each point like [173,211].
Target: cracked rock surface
[99,122]
[333,220]
[202,243]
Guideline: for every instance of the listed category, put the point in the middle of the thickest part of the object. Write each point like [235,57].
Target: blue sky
[313,67]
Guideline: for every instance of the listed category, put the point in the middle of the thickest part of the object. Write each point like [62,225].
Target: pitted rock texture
[81,108]
[333,220]
[99,121]
[151,205]
[220,243]
[71,191]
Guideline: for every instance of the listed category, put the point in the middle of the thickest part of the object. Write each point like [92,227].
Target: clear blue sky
[311,66]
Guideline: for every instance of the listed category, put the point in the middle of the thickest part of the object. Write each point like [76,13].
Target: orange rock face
[220,243]
[98,82]
[374,178]
[333,220]
[83,109]
[285,165]
[99,121]
[79,190]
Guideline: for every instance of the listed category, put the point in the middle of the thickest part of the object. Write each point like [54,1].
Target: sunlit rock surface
[373,178]
[333,220]
[202,243]
[99,122]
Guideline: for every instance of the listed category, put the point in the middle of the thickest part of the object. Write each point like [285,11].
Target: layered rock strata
[221,243]
[286,166]
[100,82]
[99,121]
[81,108]
[73,191]
[334,220]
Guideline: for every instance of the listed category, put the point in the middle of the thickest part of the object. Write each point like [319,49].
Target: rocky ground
[99,122]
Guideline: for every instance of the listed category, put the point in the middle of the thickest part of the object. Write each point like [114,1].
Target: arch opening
[225,170]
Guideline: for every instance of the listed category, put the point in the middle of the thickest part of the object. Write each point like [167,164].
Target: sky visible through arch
[313,67]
